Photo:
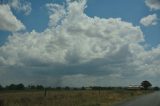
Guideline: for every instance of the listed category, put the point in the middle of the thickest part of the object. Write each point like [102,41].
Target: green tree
[20,87]
[11,87]
[67,88]
[32,87]
[1,87]
[146,84]
[156,88]
[15,87]
[39,87]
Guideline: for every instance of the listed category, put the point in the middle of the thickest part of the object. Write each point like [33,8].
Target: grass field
[65,98]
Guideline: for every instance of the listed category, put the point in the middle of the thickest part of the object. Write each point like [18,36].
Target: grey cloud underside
[78,50]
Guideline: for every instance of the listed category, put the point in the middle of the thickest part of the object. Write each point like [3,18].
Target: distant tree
[1,87]
[58,88]
[156,88]
[11,87]
[67,88]
[15,87]
[83,88]
[39,87]
[50,88]
[31,87]
[146,84]
[75,88]
[20,87]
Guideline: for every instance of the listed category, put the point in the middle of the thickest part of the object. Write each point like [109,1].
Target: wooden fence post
[45,92]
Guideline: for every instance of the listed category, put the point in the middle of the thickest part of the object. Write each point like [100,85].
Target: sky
[79,42]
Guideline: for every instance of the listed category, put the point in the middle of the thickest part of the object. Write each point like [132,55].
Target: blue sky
[79,42]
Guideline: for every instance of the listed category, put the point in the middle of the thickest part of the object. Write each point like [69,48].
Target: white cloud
[149,20]
[72,41]
[78,49]
[8,21]
[153,4]
[21,5]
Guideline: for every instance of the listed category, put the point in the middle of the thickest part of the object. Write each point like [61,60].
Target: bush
[1,87]
[15,87]
[156,88]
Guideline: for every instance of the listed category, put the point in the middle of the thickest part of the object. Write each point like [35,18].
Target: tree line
[145,85]
[41,87]
[21,87]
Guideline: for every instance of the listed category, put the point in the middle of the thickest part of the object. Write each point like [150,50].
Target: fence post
[45,92]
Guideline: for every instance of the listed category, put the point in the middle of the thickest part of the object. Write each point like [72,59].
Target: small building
[134,87]
[88,88]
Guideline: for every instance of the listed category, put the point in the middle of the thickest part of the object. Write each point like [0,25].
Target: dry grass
[65,98]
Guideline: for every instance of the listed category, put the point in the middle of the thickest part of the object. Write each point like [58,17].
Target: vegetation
[38,95]
[65,97]
[156,88]
[15,87]
[146,84]
[41,87]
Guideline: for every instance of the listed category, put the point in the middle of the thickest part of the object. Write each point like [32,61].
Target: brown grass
[65,98]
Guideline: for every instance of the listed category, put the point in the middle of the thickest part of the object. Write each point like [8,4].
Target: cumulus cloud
[21,5]
[77,50]
[153,4]
[149,20]
[8,21]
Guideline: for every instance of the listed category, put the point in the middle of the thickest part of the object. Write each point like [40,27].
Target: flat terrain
[65,98]
[146,100]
